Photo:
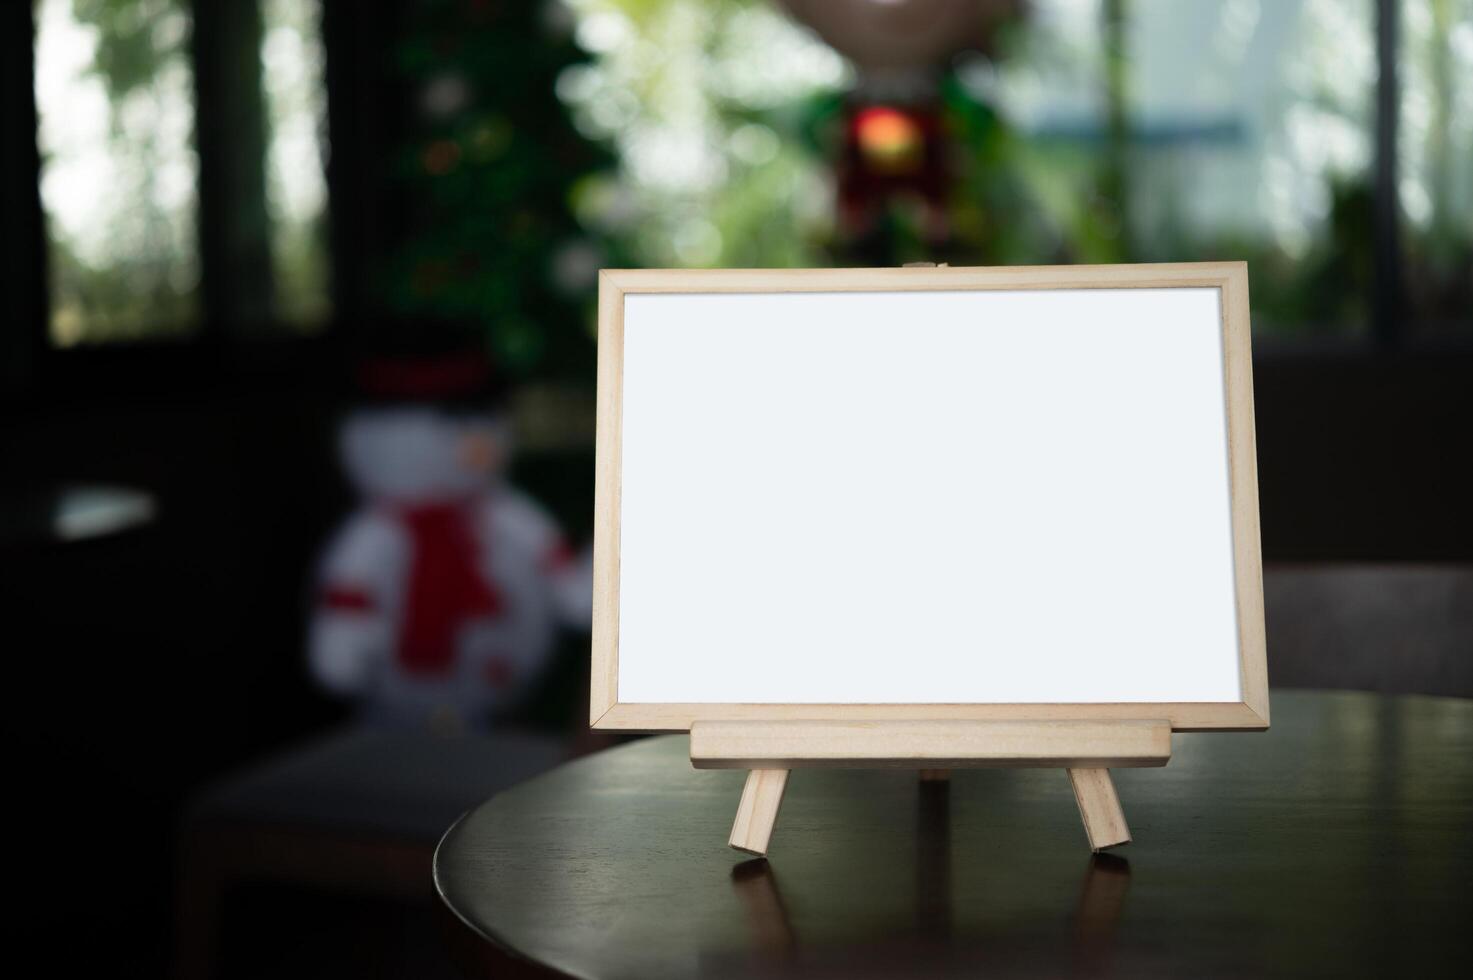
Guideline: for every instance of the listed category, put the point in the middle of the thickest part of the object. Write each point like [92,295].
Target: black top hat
[426,360]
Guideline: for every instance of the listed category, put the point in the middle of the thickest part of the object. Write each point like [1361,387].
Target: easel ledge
[1086,749]
[929,744]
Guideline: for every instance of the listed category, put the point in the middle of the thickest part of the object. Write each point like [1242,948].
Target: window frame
[34,367]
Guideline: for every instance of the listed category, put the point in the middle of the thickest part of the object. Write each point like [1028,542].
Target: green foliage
[485,175]
[134,36]
[129,270]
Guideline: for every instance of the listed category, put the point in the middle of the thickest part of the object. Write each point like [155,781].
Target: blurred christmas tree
[483,179]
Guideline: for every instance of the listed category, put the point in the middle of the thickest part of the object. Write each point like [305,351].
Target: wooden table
[1340,843]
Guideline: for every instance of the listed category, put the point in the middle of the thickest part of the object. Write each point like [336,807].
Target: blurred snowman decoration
[440,599]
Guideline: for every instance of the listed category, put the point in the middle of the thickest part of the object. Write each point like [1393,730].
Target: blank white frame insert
[991,493]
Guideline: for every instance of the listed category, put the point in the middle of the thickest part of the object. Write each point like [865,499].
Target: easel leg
[1099,808]
[757,812]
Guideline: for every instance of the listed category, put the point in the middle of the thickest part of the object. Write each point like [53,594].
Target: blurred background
[231,228]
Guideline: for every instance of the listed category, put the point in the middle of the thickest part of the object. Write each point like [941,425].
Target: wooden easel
[770,737]
[1087,750]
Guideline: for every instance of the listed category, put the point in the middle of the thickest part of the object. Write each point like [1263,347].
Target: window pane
[296,109]
[703,104]
[1436,159]
[1244,131]
[118,174]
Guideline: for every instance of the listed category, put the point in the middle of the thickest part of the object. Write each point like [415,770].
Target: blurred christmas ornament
[891,142]
[894,152]
[440,598]
[446,94]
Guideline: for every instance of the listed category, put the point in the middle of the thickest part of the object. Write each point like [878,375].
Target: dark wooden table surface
[1340,843]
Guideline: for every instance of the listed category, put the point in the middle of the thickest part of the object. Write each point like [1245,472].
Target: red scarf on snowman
[445,587]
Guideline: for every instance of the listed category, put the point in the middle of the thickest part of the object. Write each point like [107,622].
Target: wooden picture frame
[608,713]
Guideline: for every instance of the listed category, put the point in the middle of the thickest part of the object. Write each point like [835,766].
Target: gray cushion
[1374,627]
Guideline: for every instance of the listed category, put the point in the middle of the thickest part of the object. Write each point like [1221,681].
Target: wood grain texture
[1144,276]
[1185,717]
[1335,844]
[928,745]
[1231,278]
[603,686]
[762,798]
[1237,359]
[1099,808]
